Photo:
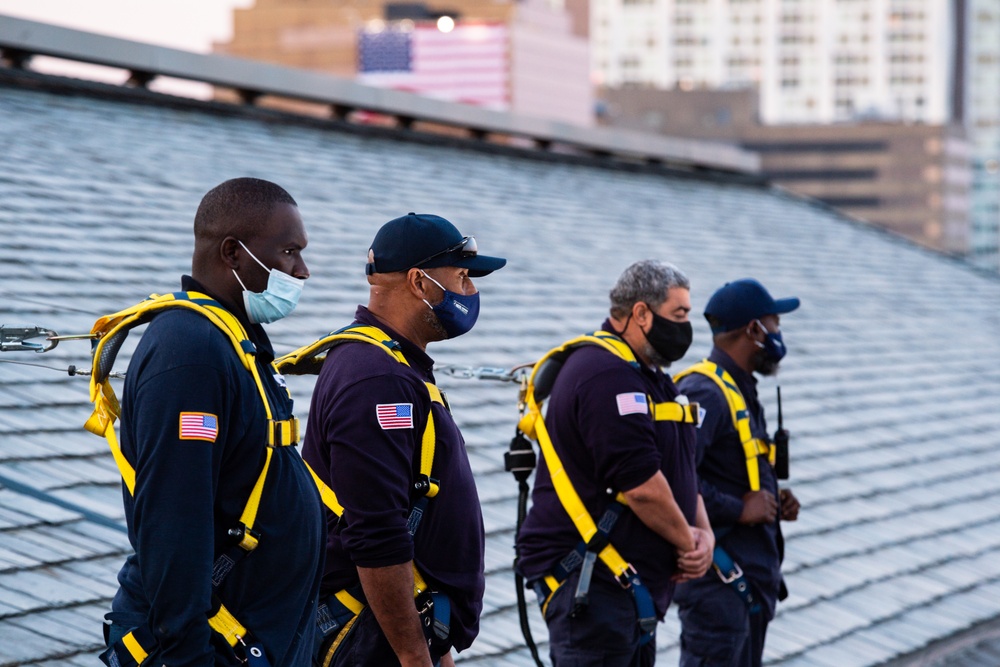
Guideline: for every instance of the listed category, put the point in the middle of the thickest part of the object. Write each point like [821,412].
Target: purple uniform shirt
[367,417]
[607,439]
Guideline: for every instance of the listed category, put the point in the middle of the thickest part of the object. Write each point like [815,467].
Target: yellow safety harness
[339,612]
[111,332]
[752,447]
[728,570]
[595,535]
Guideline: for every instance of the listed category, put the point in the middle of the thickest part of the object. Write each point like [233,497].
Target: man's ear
[641,314]
[417,283]
[230,252]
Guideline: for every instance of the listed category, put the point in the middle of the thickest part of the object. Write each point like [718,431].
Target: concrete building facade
[814,61]
[982,120]
[913,179]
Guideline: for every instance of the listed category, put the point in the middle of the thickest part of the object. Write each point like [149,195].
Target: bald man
[368,427]
[198,432]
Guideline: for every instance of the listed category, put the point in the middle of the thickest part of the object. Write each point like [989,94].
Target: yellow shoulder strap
[111,332]
[752,447]
[308,360]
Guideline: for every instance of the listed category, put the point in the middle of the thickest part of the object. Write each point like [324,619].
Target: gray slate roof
[891,387]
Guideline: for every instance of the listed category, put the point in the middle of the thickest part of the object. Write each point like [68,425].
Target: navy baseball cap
[426,241]
[740,302]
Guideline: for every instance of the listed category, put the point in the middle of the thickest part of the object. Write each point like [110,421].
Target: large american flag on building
[470,64]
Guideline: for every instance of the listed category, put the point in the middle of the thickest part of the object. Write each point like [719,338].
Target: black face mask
[670,339]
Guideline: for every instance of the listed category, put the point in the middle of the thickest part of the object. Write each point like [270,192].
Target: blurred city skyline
[192,25]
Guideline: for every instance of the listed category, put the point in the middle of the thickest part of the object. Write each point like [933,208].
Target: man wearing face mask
[207,440]
[724,615]
[383,438]
[621,430]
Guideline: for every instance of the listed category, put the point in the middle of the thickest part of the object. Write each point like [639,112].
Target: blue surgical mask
[773,345]
[457,313]
[277,301]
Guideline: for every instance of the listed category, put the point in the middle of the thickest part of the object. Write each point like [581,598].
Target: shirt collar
[255,332]
[648,370]
[744,380]
[418,358]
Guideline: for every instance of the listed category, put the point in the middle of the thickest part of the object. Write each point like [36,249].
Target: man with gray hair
[617,482]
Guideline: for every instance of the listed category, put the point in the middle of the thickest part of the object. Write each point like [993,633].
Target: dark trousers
[605,635]
[363,645]
[717,629]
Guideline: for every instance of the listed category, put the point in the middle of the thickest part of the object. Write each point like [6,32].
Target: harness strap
[728,570]
[732,575]
[752,447]
[595,539]
[339,611]
[671,411]
[309,359]
[111,332]
[582,557]
[137,645]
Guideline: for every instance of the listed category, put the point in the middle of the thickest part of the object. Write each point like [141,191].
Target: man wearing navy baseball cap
[724,615]
[383,439]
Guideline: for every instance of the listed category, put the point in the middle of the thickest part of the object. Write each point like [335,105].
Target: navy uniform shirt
[722,470]
[191,490]
[367,417]
[607,442]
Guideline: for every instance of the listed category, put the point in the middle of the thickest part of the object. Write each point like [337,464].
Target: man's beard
[764,364]
[431,318]
[655,358]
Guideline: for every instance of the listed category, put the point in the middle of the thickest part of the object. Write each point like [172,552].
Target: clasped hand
[695,563]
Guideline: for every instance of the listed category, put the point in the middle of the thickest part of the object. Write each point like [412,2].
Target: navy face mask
[457,313]
[773,345]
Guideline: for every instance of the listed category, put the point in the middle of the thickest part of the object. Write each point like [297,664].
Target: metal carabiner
[15,339]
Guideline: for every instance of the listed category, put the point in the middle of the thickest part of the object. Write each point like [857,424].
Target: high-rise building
[516,55]
[813,61]
[982,119]
[933,62]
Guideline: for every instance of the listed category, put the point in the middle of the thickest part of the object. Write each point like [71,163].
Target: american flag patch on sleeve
[199,426]
[394,415]
[631,404]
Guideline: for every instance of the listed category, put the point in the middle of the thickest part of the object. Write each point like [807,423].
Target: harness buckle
[425,486]
[248,537]
[283,432]
[625,578]
[732,575]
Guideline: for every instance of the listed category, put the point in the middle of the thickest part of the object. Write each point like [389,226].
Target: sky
[191,25]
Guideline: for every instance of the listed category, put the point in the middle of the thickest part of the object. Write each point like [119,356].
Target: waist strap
[731,574]
[137,645]
[336,614]
[583,557]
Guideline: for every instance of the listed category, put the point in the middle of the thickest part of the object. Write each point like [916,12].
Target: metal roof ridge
[21,38]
